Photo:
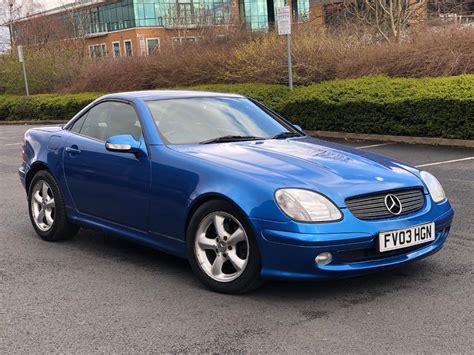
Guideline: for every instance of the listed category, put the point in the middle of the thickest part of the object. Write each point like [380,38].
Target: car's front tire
[222,248]
[47,210]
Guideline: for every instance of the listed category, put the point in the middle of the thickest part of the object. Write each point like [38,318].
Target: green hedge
[43,107]
[436,107]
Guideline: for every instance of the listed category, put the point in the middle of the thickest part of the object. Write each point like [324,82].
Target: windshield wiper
[225,139]
[283,135]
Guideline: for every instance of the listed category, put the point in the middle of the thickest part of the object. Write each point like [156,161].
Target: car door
[111,185]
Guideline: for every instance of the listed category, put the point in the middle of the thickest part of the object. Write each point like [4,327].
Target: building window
[128,48]
[153,45]
[183,40]
[98,50]
[301,10]
[255,13]
[116,47]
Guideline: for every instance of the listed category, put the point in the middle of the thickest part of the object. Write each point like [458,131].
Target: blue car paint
[149,197]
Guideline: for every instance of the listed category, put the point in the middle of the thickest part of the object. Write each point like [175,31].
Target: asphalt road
[97,293]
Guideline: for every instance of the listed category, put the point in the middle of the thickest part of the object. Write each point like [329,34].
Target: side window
[76,127]
[109,119]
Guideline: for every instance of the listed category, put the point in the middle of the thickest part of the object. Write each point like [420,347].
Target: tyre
[47,210]
[222,248]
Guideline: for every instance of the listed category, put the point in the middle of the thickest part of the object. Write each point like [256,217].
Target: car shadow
[114,248]
[352,291]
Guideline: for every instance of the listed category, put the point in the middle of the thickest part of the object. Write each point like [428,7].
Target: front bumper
[288,250]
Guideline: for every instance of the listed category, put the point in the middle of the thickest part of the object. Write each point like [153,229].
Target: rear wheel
[47,210]
[222,249]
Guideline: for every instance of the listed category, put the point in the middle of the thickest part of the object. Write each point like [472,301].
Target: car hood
[335,170]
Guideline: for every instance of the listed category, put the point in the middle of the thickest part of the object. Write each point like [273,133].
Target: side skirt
[160,242]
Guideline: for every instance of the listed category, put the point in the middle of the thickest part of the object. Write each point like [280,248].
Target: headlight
[306,206]
[434,187]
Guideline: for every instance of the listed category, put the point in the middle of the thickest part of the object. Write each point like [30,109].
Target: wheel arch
[34,169]
[203,199]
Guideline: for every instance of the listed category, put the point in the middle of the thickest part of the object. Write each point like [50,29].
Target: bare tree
[79,23]
[38,31]
[390,18]
[17,9]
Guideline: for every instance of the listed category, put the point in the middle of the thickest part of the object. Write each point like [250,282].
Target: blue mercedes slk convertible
[225,182]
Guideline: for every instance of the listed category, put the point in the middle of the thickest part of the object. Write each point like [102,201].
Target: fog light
[323,258]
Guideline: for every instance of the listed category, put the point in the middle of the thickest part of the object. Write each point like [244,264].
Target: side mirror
[123,143]
[298,127]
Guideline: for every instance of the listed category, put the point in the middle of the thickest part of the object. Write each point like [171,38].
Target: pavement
[97,293]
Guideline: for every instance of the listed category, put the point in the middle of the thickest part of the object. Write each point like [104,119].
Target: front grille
[373,206]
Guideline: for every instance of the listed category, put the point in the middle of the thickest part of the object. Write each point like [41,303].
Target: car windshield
[215,120]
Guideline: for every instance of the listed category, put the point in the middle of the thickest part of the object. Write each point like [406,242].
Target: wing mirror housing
[298,127]
[123,143]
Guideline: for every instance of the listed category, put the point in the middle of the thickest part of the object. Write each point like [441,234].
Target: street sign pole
[290,66]
[21,58]
[284,28]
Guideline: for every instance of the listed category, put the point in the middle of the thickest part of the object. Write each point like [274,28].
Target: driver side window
[109,119]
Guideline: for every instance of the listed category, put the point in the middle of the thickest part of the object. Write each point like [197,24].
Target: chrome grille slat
[378,209]
[368,203]
[408,193]
[373,207]
[408,205]
[414,198]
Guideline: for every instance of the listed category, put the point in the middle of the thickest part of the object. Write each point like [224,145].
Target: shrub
[317,56]
[43,107]
[437,107]
[48,70]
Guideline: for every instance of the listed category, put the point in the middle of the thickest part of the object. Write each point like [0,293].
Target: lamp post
[10,23]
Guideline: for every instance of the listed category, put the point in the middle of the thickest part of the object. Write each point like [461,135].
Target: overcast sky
[48,4]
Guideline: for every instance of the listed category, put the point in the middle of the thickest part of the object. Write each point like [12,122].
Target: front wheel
[222,249]
[47,210]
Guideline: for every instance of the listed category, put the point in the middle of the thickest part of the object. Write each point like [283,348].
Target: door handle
[72,150]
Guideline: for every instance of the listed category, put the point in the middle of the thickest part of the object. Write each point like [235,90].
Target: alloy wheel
[43,205]
[221,247]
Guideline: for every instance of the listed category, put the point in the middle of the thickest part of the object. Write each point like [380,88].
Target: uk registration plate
[404,238]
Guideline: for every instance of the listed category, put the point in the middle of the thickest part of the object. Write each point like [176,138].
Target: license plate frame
[396,239]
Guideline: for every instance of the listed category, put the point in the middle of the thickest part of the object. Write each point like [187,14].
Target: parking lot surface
[98,293]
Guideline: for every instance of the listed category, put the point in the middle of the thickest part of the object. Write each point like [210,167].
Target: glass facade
[148,13]
[122,14]
[179,13]
[301,10]
[255,14]
[153,13]
[260,14]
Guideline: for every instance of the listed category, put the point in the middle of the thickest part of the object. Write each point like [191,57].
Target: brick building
[139,27]
[121,28]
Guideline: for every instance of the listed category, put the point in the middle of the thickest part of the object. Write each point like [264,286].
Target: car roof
[166,94]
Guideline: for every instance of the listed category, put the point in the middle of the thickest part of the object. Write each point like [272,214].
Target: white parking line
[445,162]
[375,145]
[13,144]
